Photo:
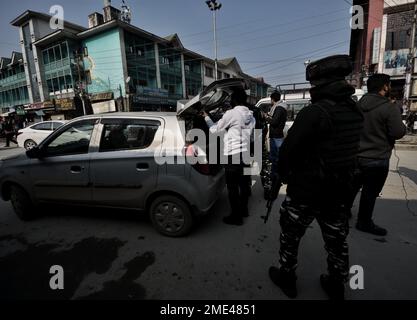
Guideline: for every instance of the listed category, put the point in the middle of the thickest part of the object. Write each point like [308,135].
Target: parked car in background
[33,135]
[109,160]
[296,102]
[294,107]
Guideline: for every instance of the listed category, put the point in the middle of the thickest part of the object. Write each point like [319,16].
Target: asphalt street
[113,254]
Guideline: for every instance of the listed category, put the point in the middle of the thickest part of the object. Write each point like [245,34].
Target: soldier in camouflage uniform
[317,161]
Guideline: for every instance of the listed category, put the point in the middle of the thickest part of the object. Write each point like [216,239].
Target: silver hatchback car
[110,161]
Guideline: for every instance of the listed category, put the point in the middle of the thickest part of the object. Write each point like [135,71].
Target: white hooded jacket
[237,125]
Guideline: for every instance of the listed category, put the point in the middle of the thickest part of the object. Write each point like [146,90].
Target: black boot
[245,212]
[372,228]
[287,281]
[334,289]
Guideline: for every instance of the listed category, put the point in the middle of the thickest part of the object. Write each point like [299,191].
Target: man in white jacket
[237,125]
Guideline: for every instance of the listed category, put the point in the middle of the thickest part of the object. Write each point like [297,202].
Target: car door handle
[76,169]
[142,167]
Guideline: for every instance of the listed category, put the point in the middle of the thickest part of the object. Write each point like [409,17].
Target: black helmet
[329,69]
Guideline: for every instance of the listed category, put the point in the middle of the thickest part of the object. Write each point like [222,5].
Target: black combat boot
[285,280]
[372,228]
[335,289]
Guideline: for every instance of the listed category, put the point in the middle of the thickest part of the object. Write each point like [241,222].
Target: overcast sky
[270,38]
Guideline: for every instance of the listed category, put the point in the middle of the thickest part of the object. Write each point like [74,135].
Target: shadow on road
[409,173]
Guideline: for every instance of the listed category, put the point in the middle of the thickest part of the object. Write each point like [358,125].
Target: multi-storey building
[112,65]
[383,46]
[14,92]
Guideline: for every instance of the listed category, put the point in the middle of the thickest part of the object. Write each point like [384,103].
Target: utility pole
[121,98]
[79,58]
[214,6]
[412,56]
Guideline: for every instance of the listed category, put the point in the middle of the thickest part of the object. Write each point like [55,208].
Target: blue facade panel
[105,63]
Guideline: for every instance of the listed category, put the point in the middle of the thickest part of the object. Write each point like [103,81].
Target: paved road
[116,254]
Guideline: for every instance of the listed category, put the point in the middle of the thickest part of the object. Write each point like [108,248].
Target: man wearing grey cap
[317,161]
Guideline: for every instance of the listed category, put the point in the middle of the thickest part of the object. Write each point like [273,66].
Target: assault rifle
[272,196]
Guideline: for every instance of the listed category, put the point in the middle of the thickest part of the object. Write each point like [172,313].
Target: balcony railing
[13,79]
[57,64]
[18,102]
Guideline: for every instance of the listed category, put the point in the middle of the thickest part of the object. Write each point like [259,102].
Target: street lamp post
[214,6]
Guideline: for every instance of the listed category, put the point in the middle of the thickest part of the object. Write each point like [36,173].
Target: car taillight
[202,168]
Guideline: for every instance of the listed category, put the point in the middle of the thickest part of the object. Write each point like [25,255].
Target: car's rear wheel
[171,216]
[30,144]
[22,204]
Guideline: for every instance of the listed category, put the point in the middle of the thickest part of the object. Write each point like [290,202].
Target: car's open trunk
[213,97]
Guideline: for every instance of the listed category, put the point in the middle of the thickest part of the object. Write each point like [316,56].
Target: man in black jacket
[317,160]
[277,119]
[383,125]
[10,132]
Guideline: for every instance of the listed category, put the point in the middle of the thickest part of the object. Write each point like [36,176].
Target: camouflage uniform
[295,219]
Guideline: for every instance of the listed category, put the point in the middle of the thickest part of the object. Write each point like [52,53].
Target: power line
[229,44]
[309,52]
[293,40]
[262,19]
[278,25]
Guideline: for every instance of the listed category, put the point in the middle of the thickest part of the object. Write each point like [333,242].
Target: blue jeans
[275,145]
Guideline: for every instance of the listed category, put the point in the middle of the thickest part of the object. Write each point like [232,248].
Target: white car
[296,102]
[33,135]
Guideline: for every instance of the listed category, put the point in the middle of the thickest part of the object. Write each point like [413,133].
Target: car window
[45,126]
[294,109]
[75,139]
[127,134]
[56,125]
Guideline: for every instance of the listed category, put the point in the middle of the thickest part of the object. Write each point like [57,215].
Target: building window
[88,77]
[68,80]
[397,40]
[45,57]
[57,51]
[226,76]
[209,72]
[165,60]
[51,55]
[219,75]
[50,85]
[403,37]
[64,50]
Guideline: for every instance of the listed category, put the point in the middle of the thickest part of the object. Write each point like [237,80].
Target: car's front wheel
[171,216]
[30,144]
[22,204]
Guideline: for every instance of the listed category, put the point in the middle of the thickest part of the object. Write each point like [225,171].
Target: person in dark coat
[383,126]
[277,118]
[10,133]
[317,161]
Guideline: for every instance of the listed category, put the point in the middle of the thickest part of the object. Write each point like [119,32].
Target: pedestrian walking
[411,122]
[317,160]
[237,125]
[277,118]
[10,133]
[383,126]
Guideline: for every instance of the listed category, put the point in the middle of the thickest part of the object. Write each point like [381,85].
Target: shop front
[103,103]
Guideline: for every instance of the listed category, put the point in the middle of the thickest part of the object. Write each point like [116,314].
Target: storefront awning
[7,114]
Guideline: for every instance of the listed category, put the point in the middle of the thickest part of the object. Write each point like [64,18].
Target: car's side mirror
[35,153]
